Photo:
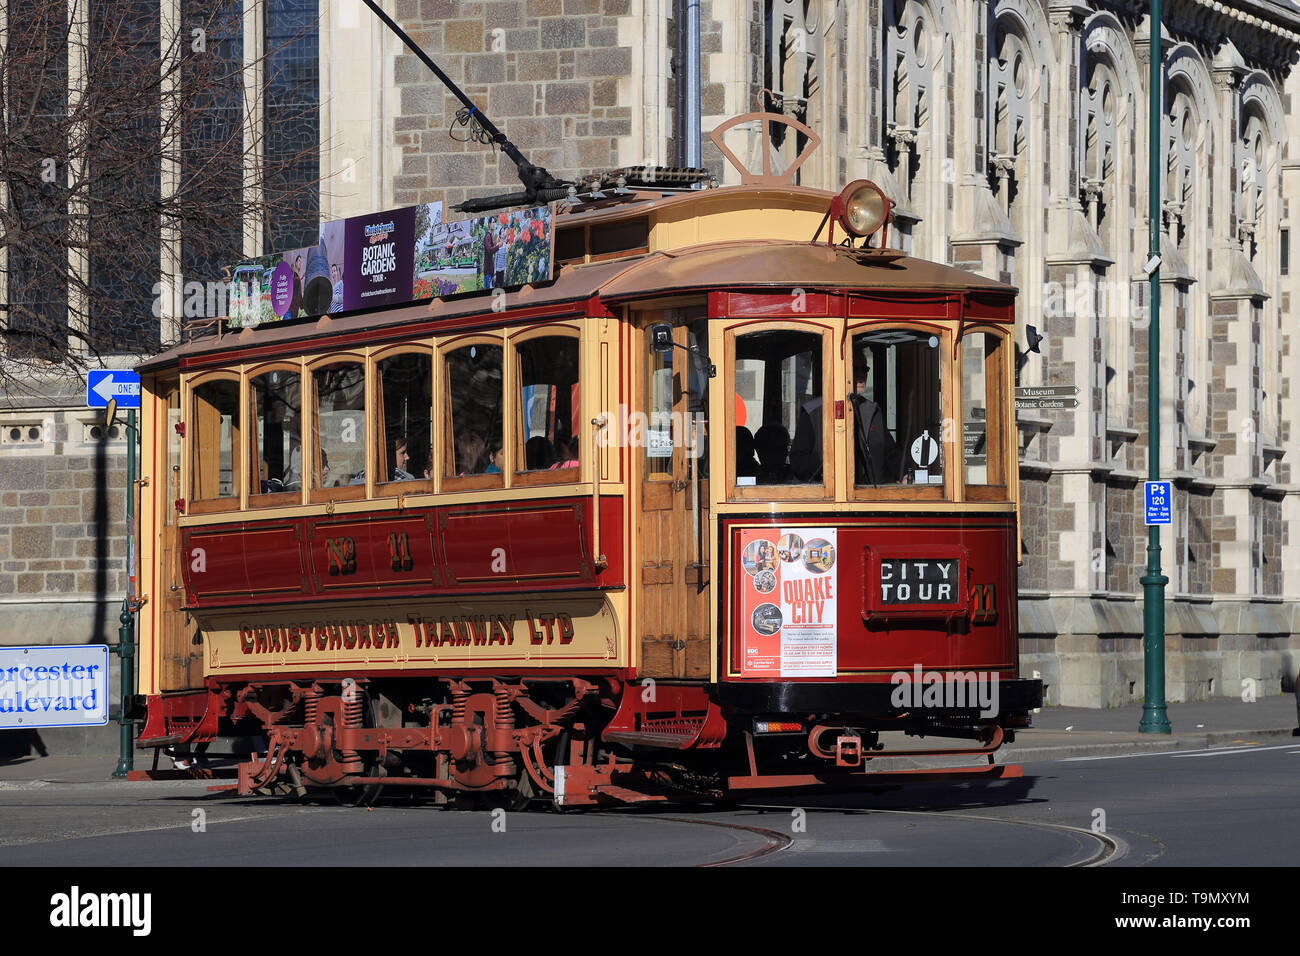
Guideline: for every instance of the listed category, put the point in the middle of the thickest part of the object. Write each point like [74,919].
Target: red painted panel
[783,304]
[368,552]
[546,544]
[990,307]
[468,538]
[515,543]
[894,306]
[885,642]
[273,556]
[214,563]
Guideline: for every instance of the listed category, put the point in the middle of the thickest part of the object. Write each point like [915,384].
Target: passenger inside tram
[897,397]
[779,381]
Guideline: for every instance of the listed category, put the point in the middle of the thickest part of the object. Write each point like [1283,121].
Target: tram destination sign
[1046,397]
[912,581]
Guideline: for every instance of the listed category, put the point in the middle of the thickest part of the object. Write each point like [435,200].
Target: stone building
[1012,135]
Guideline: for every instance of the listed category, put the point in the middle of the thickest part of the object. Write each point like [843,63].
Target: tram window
[673,418]
[217,425]
[275,404]
[780,416]
[474,398]
[983,396]
[548,404]
[897,400]
[406,411]
[339,423]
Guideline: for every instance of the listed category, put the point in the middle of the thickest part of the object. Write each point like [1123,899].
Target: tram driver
[876,458]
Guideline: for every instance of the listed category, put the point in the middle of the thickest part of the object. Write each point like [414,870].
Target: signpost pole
[1154,718]
[126,633]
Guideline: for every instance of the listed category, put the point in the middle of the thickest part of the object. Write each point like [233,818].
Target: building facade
[1012,136]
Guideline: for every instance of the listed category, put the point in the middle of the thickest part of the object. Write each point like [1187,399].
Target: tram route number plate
[919,581]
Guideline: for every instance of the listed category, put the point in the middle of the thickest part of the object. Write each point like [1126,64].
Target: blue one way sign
[1159,505]
[101,386]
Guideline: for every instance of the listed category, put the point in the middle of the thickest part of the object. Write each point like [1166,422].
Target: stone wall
[62,548]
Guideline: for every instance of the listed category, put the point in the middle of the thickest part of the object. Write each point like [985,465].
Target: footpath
[1057,733]
[1061,732]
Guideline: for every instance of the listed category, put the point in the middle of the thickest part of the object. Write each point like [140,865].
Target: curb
[1018,753]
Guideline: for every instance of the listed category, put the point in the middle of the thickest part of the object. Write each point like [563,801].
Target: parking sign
[1159,499]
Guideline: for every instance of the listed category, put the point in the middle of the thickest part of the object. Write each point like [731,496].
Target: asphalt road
[1227,806]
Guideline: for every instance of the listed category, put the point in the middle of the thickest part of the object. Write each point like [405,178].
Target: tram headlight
[861,208]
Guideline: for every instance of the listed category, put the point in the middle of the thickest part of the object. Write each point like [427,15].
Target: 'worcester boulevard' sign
[522,632]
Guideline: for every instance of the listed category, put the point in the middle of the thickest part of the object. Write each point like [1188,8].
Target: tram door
[673,622]
[182,657]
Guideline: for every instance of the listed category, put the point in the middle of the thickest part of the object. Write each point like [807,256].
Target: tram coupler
[848,751]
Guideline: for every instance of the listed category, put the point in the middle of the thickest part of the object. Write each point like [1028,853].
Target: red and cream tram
[717,509]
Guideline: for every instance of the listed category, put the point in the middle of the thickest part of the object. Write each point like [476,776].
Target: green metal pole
[126,633]
[1154,718]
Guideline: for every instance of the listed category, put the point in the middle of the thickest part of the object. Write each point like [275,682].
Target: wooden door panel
[675,637]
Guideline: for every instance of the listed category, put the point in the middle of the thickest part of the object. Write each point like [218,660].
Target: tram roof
[752,264]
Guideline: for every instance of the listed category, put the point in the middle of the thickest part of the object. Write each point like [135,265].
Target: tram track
[1109,848]
[776,841]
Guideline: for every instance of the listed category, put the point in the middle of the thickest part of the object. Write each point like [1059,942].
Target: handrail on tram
[598,557]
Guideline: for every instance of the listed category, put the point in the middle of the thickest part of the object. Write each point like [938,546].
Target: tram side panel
[869,601]
[508,587]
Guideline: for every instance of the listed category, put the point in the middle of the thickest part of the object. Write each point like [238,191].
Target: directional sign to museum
[1047,397]
[60,686]
[1159,509]
[123,386]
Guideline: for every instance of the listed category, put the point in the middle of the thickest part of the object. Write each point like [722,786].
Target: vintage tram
[716,510]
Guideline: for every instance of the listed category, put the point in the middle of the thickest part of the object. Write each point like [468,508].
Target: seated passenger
[566,454]
[401,460]
[772,444]
[471,453]
[293,474]
[537,453]
[496,460]
[746,463]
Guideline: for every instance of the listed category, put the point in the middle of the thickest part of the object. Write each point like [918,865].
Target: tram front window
[897,400]
[779,409]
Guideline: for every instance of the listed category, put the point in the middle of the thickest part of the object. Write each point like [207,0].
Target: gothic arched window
[1181,124]
[1009,90]
[1098,121]
[909,78]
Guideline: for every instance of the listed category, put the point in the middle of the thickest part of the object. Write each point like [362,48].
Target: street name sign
[123,386]
[1159,506]
[54,686]
[1046,391]
[1032,397]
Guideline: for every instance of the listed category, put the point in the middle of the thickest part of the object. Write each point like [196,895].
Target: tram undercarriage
[489,742]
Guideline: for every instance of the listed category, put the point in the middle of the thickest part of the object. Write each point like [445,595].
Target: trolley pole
[126,633]
[1154,718]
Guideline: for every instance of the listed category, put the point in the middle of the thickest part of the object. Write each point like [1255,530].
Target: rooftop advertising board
[393,257]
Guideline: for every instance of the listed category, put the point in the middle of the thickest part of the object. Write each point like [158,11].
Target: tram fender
[666,717]
[179,718]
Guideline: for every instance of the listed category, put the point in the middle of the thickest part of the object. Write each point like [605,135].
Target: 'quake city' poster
[787,602]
